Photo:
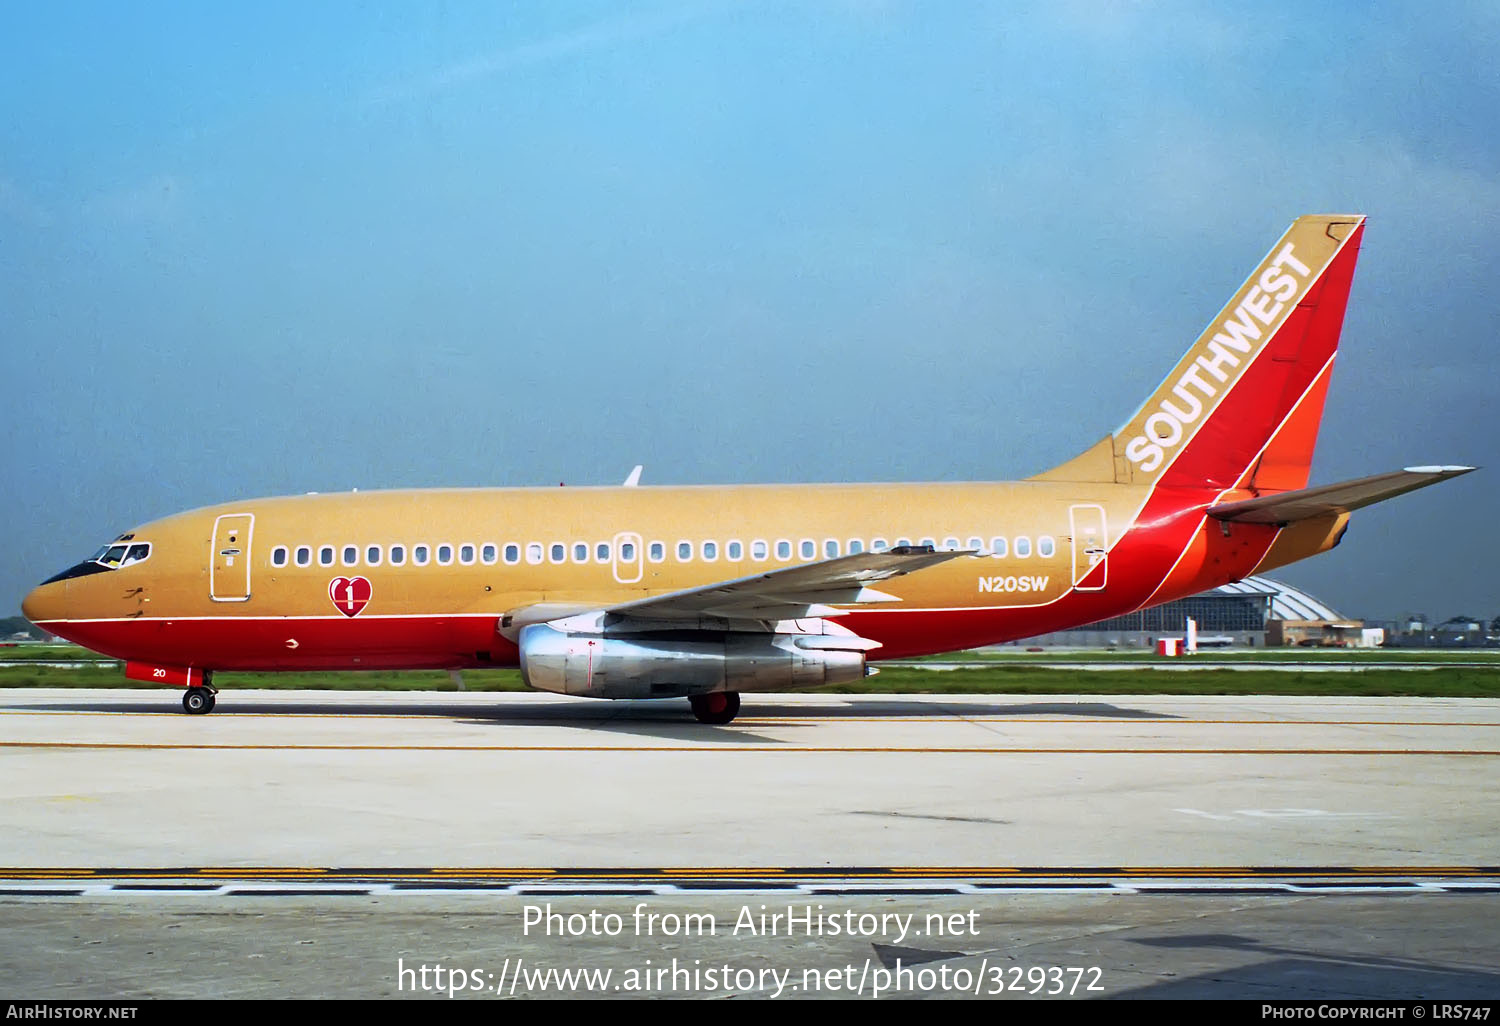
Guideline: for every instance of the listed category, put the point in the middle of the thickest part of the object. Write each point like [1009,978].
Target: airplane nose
[43,603]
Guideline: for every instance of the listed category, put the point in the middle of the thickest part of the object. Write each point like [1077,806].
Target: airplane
[708,592]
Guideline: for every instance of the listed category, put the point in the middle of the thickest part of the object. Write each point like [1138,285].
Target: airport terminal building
[1251,613]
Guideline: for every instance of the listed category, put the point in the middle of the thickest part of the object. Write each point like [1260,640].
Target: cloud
[612,32]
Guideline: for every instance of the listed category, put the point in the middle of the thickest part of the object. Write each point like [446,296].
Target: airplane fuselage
[705,592]
[421,579]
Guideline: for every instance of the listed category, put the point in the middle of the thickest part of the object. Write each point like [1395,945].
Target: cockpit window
[109,557]
[112,557]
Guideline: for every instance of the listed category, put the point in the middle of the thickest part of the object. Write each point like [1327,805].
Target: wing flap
[1307,503]
[807,590]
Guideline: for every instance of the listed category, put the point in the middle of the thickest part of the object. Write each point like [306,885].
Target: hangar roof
[1287,603]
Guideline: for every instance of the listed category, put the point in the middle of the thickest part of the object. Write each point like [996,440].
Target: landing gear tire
[717,707]
[197,701]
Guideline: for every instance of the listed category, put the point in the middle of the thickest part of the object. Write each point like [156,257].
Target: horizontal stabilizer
[1307,503]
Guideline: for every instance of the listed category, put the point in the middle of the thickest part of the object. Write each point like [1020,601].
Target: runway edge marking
[328,881]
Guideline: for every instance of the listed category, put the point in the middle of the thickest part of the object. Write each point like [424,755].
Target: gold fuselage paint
[1033,518]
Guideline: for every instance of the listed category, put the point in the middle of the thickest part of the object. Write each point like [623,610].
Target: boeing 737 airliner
[707,592]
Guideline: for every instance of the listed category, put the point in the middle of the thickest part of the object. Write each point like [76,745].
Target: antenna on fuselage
[634,480]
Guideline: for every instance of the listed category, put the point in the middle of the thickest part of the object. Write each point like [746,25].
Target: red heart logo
[349,594]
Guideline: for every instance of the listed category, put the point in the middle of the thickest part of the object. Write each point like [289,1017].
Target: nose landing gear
[198,700]
[716,707]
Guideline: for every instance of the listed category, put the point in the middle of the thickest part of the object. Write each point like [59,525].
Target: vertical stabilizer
[1243,404]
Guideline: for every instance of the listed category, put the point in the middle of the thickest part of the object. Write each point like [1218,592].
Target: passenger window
[928,543]
[998,548]
[627,552]
[951,544]
[444,554]
[351,555]
[856,546]
[533,552]
[684,551]
[372,555]
[304,555]
[512,553]
[325,556]
[580,552]
[1045,546]
[830,548]
[734,551]
[902,543]
[878,545]
[466,554]
[808,548]
[489,554]
[602,551]
[710,551]
[419,555]
[759,549]
[1023,547]
[657,551]
[278,556]
[976,543]
[783,549]
[398,555]
[559,552]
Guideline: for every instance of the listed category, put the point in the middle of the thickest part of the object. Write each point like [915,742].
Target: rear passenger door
[1090,546]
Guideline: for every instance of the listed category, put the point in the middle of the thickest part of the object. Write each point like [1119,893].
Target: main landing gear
[198,700]
[716,707]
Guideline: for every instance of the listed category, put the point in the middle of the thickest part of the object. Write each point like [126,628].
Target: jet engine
[666,663]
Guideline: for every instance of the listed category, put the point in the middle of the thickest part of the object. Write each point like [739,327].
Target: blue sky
[294,247]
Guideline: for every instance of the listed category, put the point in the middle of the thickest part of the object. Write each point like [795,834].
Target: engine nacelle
[666,664]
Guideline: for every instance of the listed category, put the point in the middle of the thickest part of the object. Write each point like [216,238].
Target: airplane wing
[798,591]
[1306,503]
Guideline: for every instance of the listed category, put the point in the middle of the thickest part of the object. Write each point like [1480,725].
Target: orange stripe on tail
[1287,459]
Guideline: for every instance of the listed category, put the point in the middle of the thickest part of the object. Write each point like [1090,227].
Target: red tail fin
[1245,401]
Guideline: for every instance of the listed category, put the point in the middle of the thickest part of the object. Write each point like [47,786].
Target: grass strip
[1444,682]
